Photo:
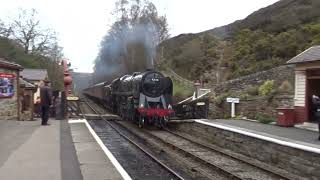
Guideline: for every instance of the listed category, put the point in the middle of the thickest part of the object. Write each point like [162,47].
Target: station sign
[72,98]
[6,75]
[201,103]
[233,100]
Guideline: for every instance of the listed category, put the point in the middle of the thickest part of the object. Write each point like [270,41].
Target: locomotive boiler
[143,97]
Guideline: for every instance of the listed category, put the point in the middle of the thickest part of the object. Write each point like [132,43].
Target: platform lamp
[67,80]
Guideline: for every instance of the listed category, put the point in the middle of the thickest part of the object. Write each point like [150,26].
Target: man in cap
[45,101]
[316,110]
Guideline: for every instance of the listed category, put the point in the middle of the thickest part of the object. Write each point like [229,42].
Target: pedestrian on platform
[45,101]
[316,110]
[37,107]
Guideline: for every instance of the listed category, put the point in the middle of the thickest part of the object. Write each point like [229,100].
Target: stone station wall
[9,106]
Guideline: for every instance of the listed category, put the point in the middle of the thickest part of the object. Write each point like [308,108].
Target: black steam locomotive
[143,97]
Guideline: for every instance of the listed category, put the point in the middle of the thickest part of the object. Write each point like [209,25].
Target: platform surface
[31,151]
[94,162]
[289,134]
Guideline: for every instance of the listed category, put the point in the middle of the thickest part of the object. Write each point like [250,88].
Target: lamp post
[67,80]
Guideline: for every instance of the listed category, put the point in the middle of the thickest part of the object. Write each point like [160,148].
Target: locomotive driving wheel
[141,122]
[164,121]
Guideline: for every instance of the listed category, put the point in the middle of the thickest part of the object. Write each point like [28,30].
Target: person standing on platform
[316,110]
[45,101]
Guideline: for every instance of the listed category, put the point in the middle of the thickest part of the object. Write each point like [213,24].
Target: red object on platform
[152,112]
[67,80]
[285,117]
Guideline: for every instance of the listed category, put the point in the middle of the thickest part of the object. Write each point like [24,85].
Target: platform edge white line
[270,139]
[113,160]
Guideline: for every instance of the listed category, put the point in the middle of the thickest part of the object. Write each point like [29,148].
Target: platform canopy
[24,83]
[309,55]
[11,65]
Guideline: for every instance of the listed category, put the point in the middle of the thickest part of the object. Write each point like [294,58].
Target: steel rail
[282,176]
[135,144]
[227,173]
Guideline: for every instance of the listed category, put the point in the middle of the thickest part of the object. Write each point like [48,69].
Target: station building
[36,77]
[9,90]
[27,91]
[307,82]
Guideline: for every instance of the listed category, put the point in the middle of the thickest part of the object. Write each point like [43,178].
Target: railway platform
[294,150]
[304,135]
[59,151]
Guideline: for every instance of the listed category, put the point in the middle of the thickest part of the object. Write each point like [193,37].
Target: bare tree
[27,30]
[5,31]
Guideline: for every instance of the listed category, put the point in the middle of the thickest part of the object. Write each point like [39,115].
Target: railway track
[201,160]
[257,166]
[138,162]
[210,160]
[231,167]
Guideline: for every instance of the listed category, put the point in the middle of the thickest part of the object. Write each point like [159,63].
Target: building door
[313,88]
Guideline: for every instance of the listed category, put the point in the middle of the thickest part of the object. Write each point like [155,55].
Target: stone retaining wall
[302,164]
[250,108]
[279,74]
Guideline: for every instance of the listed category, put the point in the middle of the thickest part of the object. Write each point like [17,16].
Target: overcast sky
[81,24]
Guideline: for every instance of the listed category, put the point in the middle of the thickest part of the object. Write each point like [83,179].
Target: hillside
[276,18]
[265,39]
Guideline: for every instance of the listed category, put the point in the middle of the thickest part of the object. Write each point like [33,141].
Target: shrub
[244,96]
[266,88]
[285,87]
[238,117]
[264,118]
[221,98]
[226,116]
[253,90]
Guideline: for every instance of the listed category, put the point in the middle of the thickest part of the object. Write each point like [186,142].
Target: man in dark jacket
[45,101]
[316,110]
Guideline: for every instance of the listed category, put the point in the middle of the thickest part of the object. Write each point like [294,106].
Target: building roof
[9,65]
[309,55]
[27,84]
[34,74]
